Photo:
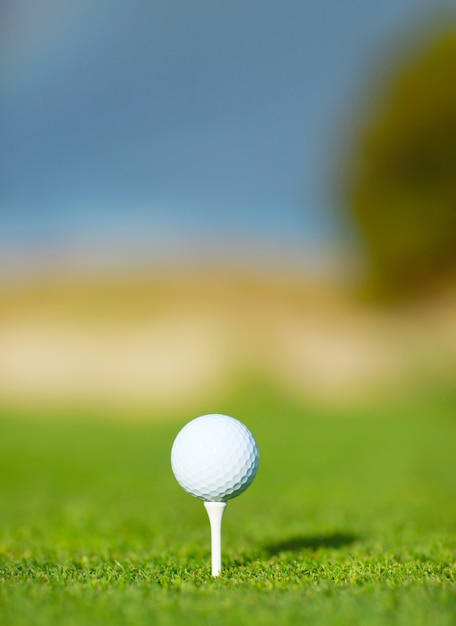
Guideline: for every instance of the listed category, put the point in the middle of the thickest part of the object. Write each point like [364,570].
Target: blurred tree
[401,181]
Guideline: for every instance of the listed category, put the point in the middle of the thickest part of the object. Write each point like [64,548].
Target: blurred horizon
[197,194]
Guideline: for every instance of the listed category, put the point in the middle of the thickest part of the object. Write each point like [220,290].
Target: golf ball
[215,457]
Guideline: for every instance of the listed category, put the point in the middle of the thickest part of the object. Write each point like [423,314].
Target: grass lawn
[351,519]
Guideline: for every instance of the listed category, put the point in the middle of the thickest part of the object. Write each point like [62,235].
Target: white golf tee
[215,511]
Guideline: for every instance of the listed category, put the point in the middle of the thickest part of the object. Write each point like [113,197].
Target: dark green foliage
[351,520]
[402,182]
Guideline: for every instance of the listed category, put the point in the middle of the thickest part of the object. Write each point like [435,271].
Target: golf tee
[215,511]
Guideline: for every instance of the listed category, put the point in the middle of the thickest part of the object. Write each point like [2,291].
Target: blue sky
[173,121]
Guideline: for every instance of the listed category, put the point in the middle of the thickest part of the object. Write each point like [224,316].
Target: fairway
[351,519]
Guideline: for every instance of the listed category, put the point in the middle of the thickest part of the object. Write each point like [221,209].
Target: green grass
[351,520]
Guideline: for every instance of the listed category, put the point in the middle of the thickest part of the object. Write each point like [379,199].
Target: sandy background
[166,340]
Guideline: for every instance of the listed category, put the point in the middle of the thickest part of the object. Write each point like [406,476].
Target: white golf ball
[215,457]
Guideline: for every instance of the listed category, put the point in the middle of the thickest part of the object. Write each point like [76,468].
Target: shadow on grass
[295,544]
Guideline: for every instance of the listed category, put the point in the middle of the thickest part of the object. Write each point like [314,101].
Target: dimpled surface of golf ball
[215,457]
